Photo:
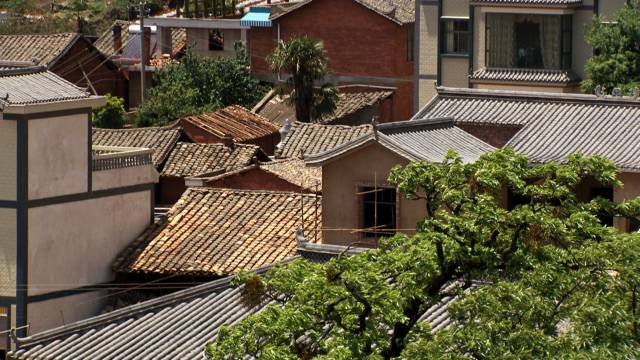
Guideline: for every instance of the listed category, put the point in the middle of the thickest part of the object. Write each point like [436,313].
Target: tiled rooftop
[315,138]
[296,172]
[215,232]
[526,75]
[27,86]
[159,139]
[399,11]
[36,49]
[528,2]
[240,123]
[189,159]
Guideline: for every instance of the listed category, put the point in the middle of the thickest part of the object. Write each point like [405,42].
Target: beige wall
[455,72]
[581,50]
[340,181]
[58,153]
[428,53]
[455,8]
[49,314]
[8,252]
[479,46]
[630,190]
[109,179]
[8,158]
[85,236]
[199,38]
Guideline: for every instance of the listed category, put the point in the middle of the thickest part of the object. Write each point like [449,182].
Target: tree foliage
[616,62]
[197,85]
[110,116]
[306,61]
[542,279]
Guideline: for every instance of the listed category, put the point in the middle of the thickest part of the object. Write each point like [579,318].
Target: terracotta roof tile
[214,232]
[236,121]
[317,138]
[160,139]
[36,49]
[296,172]
[189,159]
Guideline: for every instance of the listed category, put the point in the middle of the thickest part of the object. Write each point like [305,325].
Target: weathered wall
[58,156]
[455,72]
[49,314]
[8,175]
[115,178]
[85,236]
[455,8]
[8,252]
[581,50]
[340,204]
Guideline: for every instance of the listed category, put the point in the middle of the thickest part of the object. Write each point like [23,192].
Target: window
[410,47]
[378,211]
[216,40]
[455,37]
[529,41]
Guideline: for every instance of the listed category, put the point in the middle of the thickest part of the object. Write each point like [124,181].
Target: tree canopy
[543,278]
[197,85]
[616,62]
[110,116]
[306,61]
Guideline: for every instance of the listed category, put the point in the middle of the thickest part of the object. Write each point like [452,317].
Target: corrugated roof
[240,123]
[399,11]
[160,139]
[189,159]
[315,138]
[216,232]
[526,75]
[428,140]
[38,49]
[25,86]
[277,109]
[175,326]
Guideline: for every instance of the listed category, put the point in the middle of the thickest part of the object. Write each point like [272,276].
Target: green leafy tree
[110,116]
[20,6]
[306,61]
[616,62]
[197,85]
[552,281]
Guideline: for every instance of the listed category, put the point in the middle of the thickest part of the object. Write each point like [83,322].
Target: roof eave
[50,106]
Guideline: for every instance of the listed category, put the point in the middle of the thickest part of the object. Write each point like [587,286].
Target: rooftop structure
[304,138]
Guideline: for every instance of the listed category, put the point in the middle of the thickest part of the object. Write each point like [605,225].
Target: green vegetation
[112,115]
[552,281]
[616,62]
[197,85]
[306,61]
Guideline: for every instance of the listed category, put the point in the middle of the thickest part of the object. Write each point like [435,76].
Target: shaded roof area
[188,159]
[131,41]
[216,232]
[175,326]
[34,85]
[159,139]
[526,76]
[399,11]
[304,138]
[427,140]
[30,50]
[529,2]
[277,109]
[235,120]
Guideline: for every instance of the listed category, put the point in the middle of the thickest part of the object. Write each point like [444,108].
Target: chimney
[227,140]
[146,32]
[117,39]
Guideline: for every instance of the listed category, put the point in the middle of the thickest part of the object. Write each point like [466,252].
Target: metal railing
[114,157]
[207,9]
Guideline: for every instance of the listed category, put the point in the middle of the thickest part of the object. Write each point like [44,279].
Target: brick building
[368,42]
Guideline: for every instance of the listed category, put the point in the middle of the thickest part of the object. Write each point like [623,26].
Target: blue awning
[257,17]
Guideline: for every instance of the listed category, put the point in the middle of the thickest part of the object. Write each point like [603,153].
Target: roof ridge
[205,189]
[23,70]
[346,127]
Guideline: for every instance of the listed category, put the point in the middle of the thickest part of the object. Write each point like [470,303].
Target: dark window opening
[378,211]
[216,40]
[634,224]
[528,50]
[455,37]
[606,193]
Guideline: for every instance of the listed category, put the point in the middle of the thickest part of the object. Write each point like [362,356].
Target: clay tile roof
[24,86]
[526,75]
[215,232]
[189,159]
[296,172]
[399,11]
[277,109]
[42,50]
[236,121]
[160,139]
[317,138]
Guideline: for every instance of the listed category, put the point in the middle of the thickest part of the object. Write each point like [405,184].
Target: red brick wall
[105,77]
[255,179]
[359,43]
[493,135]
[197,135]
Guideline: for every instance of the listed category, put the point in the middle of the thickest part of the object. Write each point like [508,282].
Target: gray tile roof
[316,138]
[42,50]
[526,75]
[428,139]
[528,2]
[175,326]
[160,139]
[36,85]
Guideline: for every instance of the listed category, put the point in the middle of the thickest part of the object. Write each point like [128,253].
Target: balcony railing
[112,157]
[207,9]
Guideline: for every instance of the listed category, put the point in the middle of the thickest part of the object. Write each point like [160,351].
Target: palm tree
[306,61]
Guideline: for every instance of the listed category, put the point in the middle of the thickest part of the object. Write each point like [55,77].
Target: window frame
[362,190]
[444,31]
